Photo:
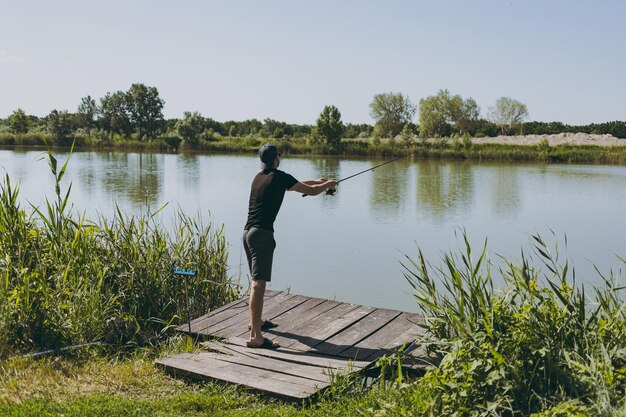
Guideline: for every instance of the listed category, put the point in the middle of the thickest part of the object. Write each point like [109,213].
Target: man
[266,196]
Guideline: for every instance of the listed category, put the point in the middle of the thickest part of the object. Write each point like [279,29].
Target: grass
[539,344]
[67,280]
[95,383]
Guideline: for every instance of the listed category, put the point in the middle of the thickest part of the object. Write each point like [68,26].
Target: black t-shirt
[266,196]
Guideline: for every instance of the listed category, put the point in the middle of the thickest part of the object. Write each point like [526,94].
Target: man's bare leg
[257,293]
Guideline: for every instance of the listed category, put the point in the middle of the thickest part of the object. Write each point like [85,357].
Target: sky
[286,60]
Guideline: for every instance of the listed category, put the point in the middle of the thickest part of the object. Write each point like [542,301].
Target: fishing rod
[332,191]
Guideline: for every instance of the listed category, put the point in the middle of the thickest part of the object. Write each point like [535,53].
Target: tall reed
[539,343]
[68,280]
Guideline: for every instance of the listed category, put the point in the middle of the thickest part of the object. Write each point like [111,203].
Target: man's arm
[313,187]
[314,182]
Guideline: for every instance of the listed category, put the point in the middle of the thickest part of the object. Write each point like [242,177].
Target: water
[349,246]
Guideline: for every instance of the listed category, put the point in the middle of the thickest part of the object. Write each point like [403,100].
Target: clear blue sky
[234,60]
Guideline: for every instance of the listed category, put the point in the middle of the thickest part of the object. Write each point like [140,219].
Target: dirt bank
[553,140]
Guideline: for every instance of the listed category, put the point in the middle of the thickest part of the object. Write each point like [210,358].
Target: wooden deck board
[275,313]
[343,341]
[378,343]
[318,338]
[251,360]
[238,345]
[203,367]
[233,325]
[299,316]
[201,324]
[322,327]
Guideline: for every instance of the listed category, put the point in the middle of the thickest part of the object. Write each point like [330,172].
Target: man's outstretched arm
[314,182]
[313,187]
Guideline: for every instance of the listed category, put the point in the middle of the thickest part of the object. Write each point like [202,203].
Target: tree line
[137,114]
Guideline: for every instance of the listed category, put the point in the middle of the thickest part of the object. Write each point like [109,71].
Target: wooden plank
[296,314]
[366,348]
[326,325]
[194,323]
[203,326]
[185,327]
[296,319]
[238,345]
[275,313]
[318,338]
[354,334]
[234,325]
[307,371]
[265,381]
[411,334]
[201,322]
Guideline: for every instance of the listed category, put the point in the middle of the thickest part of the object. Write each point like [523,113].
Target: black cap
[268,153]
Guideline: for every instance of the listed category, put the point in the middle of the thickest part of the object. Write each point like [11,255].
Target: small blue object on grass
[183,271]
[187,273]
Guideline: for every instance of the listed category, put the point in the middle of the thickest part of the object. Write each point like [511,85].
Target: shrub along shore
[68,280]
[456,147]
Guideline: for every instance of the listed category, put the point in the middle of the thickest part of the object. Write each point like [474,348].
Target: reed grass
[540,343]
[67,280]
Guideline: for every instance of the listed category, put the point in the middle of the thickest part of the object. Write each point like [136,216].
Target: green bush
[537,343]
[67,280]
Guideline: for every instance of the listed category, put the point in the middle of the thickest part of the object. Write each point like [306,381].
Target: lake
[349,246]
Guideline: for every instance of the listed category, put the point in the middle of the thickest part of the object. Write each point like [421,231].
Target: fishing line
[332,191]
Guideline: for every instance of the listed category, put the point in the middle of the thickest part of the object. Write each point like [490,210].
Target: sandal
[267,344]
[266,325]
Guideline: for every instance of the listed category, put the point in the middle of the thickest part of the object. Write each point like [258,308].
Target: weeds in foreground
[66,280]
[539,343]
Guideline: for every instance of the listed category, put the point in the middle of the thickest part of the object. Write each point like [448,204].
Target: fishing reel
[331,191]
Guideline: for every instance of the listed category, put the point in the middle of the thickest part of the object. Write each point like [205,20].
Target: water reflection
[444,187]
[389,187]
[190,168]
[133,177]
[326,168]
[507,192]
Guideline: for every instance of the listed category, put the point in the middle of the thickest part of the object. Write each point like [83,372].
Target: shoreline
[575,139]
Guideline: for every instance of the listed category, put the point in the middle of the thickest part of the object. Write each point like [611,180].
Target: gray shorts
[259,245]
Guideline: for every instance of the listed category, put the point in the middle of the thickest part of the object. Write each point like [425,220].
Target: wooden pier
[318,339]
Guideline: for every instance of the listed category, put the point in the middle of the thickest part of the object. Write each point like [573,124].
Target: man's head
[270,157]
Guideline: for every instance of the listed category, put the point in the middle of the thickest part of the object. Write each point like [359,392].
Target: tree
[273,128]
[329,125]
[18,121]
[391,112]
[145,110]
[59,125]
[508,113]
[407,136]
[114,114]
[468,116]
[442,113]
[358,130]
[190,128]
[215,125]
[434,115]
[86,114]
